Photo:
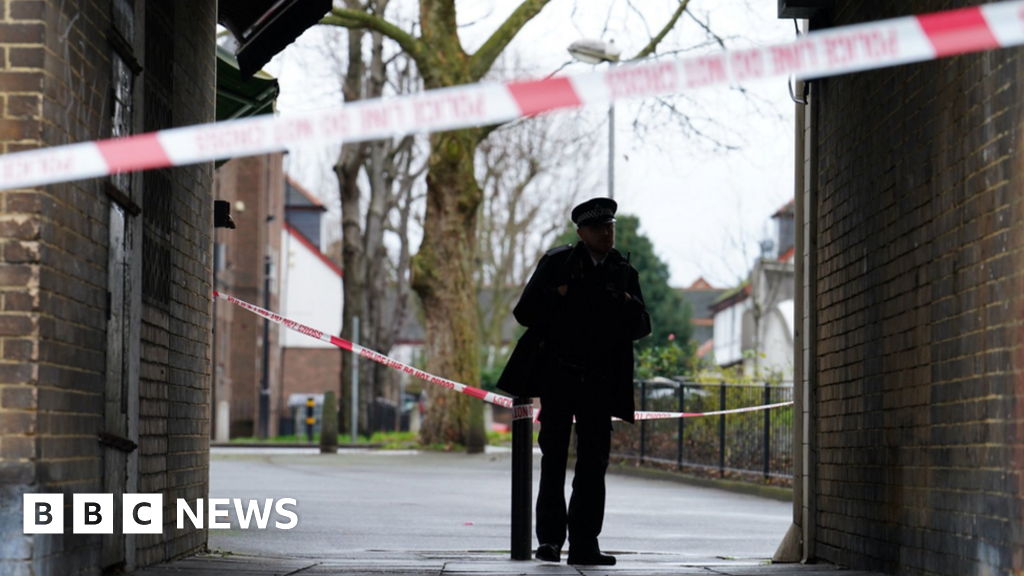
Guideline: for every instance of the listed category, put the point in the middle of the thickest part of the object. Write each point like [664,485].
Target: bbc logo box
[144,513]
[93,514]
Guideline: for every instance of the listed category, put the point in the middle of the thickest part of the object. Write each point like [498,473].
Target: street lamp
[590,51]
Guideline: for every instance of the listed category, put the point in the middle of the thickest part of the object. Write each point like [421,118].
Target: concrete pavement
[406,513]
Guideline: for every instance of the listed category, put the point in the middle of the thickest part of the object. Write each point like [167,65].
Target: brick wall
[174,389]
[255,187]
[21,88]
[310,371]
[53,278]
[920,389]
[55,88]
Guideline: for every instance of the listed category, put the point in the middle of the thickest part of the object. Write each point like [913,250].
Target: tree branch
[347,18]
[481,62]
[707,28]
[653,44]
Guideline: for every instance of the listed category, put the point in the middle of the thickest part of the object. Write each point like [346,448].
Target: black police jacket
[591,327]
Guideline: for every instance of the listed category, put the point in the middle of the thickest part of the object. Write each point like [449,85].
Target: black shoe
[549,553]
[592,557]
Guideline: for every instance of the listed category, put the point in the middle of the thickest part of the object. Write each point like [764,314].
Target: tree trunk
[347,171]
[443,278]
[376,282]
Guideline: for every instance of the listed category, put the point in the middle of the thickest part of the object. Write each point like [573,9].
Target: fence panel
[696,444]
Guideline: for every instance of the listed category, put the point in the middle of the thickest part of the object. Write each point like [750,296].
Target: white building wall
[311,294]
[778,341]
[728,333]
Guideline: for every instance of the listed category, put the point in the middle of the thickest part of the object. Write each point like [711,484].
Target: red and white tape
[668,415]
[367,353]
[647,415]
[520,412]
[835,51]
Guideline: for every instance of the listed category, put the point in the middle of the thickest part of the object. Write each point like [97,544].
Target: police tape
[672,415]
[369,354]
[646,415]
[520,412]
[829,52]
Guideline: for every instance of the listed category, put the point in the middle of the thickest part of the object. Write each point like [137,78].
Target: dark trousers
[585,514]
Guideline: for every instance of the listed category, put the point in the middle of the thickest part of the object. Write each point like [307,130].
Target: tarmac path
[381,513]
[375,502]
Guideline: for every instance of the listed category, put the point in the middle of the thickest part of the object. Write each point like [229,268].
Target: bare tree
[376,181]
[531,173]
[442,272]
[347,168]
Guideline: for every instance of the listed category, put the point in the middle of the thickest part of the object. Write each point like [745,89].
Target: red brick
[26,57]
[20,228]
[27,9]
[15,275]
[24,202]
[13,147]
[19,349]
[11,325]
[22,33]
[17,447]
[17,397]
[11,129]
[16,422]
[25,106]
[21,81]
[16,252]
[19,301]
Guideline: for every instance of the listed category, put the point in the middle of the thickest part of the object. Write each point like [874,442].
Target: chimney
[785,220]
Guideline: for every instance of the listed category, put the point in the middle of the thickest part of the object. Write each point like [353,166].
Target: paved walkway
[411,513]
[436,565]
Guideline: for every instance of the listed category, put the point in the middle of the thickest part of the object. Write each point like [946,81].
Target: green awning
[238,97]
[262,28]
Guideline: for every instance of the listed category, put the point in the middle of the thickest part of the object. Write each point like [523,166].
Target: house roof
[294,233]
[788,210]
[732,296]
[295,196]
[701,300]
[701,284]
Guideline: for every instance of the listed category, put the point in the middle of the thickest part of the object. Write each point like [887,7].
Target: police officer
[582,308]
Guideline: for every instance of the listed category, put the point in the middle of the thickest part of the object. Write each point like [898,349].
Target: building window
[124,69]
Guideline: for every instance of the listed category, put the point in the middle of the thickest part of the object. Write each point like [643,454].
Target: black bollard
[522,479]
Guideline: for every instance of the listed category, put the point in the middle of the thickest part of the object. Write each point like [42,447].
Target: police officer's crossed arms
[582,308]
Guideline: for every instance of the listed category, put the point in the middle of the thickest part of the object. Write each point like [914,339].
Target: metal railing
[752,446]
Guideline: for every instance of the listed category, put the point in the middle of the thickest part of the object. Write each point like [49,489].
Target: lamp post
[590,51]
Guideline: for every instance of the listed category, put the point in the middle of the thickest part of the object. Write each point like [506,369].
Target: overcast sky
[704,208]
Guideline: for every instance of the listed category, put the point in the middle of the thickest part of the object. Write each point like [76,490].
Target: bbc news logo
[144,513]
